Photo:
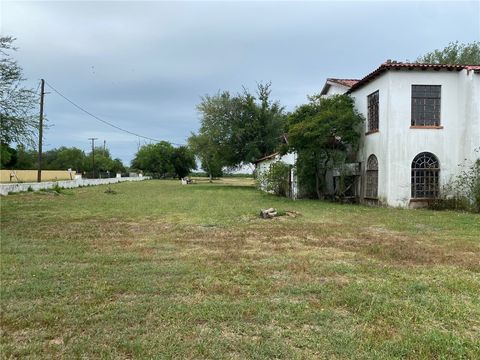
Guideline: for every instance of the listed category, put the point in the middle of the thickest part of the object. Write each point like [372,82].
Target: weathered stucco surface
[396,143]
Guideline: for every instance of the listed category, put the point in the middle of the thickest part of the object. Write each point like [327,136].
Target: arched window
[425,173]
[371,190]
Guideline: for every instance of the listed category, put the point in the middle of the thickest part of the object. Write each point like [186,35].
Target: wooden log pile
[271,213]
[268,213]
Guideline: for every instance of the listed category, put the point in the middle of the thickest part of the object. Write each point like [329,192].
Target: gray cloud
[145,65]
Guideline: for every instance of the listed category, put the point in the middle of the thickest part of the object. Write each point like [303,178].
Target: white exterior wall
[263,166]
[335,89]
[396,144]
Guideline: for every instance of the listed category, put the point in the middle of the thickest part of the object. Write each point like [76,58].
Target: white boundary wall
[5,189]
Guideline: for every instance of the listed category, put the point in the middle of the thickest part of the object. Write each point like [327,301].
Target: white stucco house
[422,123]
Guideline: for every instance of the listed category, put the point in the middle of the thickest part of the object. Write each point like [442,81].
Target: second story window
[426,105]
[372,101]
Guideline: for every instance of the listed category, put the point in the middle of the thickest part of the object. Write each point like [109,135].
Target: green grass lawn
[161,270]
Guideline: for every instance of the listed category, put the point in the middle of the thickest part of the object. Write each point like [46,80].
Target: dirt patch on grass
[377,243]
[260,239]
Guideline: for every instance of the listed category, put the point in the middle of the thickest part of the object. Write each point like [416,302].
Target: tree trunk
[209,171]
[317,185]
[317,179]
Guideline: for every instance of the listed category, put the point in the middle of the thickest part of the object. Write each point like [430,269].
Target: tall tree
[324,132]
[207,152]
[155,159]
[243,127]
[117,166]
[221,114]
[454,53]
[8,156]
[103,161]
[25,158]
[64,158]
[162,160]
[18,123]
[271,123]
[183,161]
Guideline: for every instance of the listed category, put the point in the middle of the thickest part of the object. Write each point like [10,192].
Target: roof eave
[268,157]
[402,66]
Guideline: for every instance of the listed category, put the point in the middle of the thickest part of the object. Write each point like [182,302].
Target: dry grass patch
[170,271]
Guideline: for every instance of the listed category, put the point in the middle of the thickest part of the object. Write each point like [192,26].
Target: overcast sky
[144,65]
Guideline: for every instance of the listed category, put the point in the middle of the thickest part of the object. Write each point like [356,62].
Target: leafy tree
[103,162]
[268,126]
[454,53]
[26,159]
[221,114]
[64,158]
[325,133]
[155,159]
[208,153]
[117,166]
[183,161]
[162,160]
[18,124]
[61,158]
[8,156]
[240,128]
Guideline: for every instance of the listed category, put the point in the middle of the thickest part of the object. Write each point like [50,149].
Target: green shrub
[459,203]
[462,192]
[276,179]
[57,189]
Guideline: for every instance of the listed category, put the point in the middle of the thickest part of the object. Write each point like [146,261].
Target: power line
[38,86]
[101,120]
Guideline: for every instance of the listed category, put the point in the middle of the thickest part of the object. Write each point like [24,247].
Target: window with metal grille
[425,174]
[371,189]
[372,101]
[426,101]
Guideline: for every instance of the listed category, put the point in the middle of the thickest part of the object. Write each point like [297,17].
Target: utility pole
[104,146]
[93,155]
[40,132]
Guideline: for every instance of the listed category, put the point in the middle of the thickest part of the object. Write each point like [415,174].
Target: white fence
[5,189]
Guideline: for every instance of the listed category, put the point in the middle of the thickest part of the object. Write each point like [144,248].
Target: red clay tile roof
[348,83]
[409,66]
[472,67]
[344,82]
